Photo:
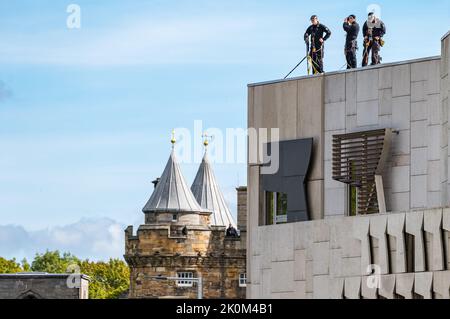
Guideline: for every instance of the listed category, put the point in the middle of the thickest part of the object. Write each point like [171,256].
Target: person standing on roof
[373,30]
[315,37]
[351,42]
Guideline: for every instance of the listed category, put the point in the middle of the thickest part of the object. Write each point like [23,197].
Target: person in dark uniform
[351,42]
[373,30]
[315,37]
[232,232]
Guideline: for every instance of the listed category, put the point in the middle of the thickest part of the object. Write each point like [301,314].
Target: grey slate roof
[207,193]
[172,194]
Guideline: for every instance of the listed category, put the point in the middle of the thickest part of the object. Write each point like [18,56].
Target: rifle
[309,62]
[366,51]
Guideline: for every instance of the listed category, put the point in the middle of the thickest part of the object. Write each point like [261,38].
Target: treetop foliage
[108,280]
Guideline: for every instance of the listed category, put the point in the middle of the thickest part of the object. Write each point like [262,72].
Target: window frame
[184,281]
[272,216]
[243,280]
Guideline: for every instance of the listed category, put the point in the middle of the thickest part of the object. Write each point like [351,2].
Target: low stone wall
[30,286]
[404,255]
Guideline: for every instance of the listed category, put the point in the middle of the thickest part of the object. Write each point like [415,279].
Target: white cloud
[112,243]
[96,239]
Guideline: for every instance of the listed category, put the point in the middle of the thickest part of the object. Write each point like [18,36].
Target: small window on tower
[174,218]
[243,280]
[184,279]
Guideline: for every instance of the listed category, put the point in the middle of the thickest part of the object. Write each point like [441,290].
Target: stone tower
[180,239]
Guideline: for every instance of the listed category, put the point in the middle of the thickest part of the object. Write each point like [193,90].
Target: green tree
[9,266]
[53,262]
[109,280]
[25,265]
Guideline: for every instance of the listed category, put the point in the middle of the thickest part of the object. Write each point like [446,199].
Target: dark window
[276,208]
[410,247]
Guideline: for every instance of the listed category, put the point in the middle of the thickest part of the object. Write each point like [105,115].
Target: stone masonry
[157,251]
[41,286]
[166,247]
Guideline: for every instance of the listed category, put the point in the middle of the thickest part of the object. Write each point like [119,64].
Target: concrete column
[387,286]
[396,228]
[414,226]
[423,284]
[441,284]
[336,288]
[445,88]
[433,225]
[253,221]
[352,289]
[378,228]
[361,232]
[404,285]
[369,291]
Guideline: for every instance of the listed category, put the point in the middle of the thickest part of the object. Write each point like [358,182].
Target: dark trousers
[317,60]
[350,55]
[374,47]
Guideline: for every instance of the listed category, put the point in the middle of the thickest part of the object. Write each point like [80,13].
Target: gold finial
[206,140]
[173,140]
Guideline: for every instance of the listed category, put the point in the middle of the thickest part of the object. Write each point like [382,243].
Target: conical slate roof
[207,193]
[172,193]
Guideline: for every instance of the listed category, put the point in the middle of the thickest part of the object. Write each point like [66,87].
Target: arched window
[29,295]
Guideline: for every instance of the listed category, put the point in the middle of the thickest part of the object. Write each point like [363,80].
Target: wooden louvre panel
[357,158]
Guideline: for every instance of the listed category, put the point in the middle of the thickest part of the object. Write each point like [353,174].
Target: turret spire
[208,194]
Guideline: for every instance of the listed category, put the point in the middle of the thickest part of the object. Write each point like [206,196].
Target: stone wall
[242,208]
[242,213]
[158,251]
[35,286]
[331,258]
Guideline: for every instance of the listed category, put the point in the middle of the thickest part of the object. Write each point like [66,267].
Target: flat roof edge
[40,276]
[379,66]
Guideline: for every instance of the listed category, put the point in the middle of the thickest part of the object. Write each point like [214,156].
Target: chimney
[156,182]
[242,208]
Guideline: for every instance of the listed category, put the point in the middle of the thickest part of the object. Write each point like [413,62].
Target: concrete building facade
[329,256]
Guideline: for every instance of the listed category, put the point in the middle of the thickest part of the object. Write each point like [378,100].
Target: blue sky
[86,114]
